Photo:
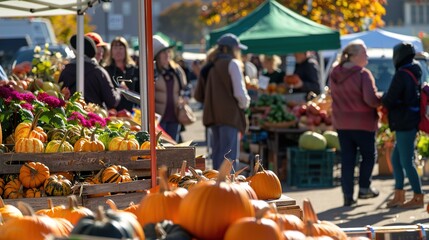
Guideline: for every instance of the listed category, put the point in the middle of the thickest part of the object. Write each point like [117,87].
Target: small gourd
[123,143]
[89,145]
[30,130]
[33,174]
[57,185]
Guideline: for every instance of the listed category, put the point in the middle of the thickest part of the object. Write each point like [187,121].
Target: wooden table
[287,205]
[274,144]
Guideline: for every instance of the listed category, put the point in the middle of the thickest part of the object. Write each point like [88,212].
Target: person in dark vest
[171,83]
[223,92]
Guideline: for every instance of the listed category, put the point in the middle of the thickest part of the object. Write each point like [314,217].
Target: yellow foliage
[343,15]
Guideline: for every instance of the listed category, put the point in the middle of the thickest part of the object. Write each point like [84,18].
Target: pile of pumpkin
[34,180]
[212,209]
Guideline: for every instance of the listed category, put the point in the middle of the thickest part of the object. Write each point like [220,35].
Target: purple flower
[51,101]
[27,106]
[28,97]
[95,118]
[5,92]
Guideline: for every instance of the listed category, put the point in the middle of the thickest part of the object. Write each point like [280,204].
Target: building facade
[409,17]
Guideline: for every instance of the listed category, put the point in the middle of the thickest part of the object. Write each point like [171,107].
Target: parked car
[27,53]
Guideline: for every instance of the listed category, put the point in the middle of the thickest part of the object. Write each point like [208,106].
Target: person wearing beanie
[222,90]
[98,86]
[403,105]
[170,85]
[102,50]
[354,115]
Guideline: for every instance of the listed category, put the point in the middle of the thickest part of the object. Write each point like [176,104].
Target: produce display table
[417,232]
[122,193]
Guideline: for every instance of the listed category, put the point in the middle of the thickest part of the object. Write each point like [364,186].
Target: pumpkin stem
[158,136]
[63,140]
[93,134]
[100,215]
[240,171]
[50,203]
[34,122]
[126,135]
[112,204]
[32,169]
[160,231]
[163,181]
[183,168]
[224,171]
[1,202]
[309,214]
[25,209]
[72,202]
[196,175]
[1,219]
[261,213]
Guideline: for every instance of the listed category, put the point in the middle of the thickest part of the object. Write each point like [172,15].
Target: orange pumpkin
[315,228]
[29,145]
[73,212]
[2,185]
[115,174]
[13,189]
[287,221]
[265,183]
[211,174]
[8,211]
[35,227]
[33,193]
[254,228]
[207,200]
[89,145]
[162,205]
[123,143]
[33,174]
[52,210]
[30,130]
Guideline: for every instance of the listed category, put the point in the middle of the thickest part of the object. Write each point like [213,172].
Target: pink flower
[95,118]
[29,97]
[27,106]
[51,101]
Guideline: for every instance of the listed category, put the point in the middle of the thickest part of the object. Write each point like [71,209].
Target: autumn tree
[181,21]
[345,15]
[65,26]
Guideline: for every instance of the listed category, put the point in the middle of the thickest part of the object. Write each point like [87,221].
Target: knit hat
[231,40]
[96,38]
[89,45]
[159,45]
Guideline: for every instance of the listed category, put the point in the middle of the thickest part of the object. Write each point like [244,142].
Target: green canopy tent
[273,29]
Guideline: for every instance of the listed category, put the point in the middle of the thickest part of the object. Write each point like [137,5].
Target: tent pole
[80,50]
[322,74]
[143,66]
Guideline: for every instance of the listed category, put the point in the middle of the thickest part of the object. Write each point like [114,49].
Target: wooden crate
[287,205]
[122,194]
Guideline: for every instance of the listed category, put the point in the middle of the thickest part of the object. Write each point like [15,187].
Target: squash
[224,204]
[162,205]
[13,190]
[106,224]
[89,145]
[115,174]
[175,178]
[166,230]
[52,210]
[74,133]
[33,193]
[316,228]
[59,146]
[35,227]
[73,212]
[33,174]
[57,185]
[2,185]
[123,143]
[8,211]
[254,228]
[211,173]
[146,145]
[10,177]
[131,217]
[29,145]
[30,130]
[56,134]
[310,140]
[265,183]
[69,175]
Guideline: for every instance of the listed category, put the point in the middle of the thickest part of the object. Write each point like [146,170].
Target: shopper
[402,103]
[221,88]
[170,84]
[123,71]
[355,118]
[307,68]
[102,48]
[98,87]
[271,64]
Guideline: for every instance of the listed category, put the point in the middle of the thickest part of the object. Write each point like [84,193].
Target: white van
[16,33]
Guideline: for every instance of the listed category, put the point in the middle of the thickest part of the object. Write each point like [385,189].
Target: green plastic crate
[308,168]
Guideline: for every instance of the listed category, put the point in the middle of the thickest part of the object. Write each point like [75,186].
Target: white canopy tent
[36,8]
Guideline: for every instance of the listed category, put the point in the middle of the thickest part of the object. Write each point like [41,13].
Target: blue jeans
[224,142]
[172,129]
[403,160]
[350,142]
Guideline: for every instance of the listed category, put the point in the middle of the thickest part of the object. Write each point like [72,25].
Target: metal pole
[143,66]
[80,50]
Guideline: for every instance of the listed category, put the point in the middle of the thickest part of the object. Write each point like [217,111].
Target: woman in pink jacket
[355,118]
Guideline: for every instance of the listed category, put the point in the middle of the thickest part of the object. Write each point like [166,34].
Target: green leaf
[58,122]
[26,115]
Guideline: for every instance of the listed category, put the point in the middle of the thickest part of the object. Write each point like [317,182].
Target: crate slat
[139,185]
[42,202]
[121,200]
